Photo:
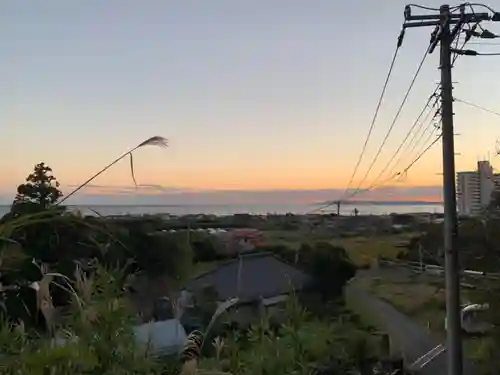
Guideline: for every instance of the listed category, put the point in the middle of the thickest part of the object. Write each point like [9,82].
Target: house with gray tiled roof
[259,280]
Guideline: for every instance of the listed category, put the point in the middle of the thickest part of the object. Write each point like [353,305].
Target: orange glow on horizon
[110,185]
[262,178]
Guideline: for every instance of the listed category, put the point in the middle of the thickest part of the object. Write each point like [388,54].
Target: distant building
[241,240]
[475,188]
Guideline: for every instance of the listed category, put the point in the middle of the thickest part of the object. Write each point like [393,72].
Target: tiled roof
[261,275]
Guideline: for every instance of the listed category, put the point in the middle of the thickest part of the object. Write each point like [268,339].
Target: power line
[423,7]
[471,31]
[430,125]
[383,182]
[395,118]
[430,8]
[416,122]
[472,5]
[418,134]
[477,106]
[404,171]
[484,43]
[484,34]
[463,44]
[470,52]
[377,109]
[424,149]
[468,36]
[415,144]
[420,155]
[393,176]
[374,186]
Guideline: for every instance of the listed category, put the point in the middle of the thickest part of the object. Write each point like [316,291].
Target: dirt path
[413,339]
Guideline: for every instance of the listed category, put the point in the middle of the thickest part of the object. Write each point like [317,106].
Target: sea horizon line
[332,203]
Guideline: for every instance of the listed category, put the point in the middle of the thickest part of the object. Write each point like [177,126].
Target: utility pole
[444,35]
[452,275]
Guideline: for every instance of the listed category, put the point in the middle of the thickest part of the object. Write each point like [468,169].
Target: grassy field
[362,250]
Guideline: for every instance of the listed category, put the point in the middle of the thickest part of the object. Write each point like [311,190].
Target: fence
[432,269]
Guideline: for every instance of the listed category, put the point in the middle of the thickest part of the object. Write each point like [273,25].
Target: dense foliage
[331,268]
[329,264]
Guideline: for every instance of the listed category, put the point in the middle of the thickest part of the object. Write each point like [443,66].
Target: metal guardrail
[438,270]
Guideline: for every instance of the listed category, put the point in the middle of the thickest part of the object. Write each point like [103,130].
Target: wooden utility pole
[452,275]
[444,35]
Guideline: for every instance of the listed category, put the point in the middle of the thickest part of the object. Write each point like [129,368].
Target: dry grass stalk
[177,308]
[219,345]
[44,298]
[153,141]
[115,305]
[84,285]
[85,288]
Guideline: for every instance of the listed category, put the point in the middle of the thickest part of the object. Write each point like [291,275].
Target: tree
[40,191]
[206,248]
[162,254]
[332,269]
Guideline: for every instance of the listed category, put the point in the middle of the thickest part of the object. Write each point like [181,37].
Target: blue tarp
[163,337]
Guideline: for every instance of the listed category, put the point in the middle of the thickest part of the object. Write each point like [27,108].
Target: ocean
[256,209]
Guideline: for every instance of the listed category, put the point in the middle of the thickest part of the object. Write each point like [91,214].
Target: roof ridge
[255,254]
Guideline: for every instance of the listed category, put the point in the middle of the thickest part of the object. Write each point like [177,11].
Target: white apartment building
[474,189]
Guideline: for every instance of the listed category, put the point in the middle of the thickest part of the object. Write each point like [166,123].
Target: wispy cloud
[140,189]
[433,193]
[157,194]
[152,194]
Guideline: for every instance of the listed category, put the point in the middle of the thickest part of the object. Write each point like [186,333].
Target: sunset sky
[252,95]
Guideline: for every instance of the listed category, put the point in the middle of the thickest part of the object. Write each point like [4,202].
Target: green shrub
[206,248]
[331,268]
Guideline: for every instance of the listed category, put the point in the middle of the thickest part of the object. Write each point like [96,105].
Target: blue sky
[256,95]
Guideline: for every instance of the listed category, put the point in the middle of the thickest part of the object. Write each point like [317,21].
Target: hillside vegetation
[66,306]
